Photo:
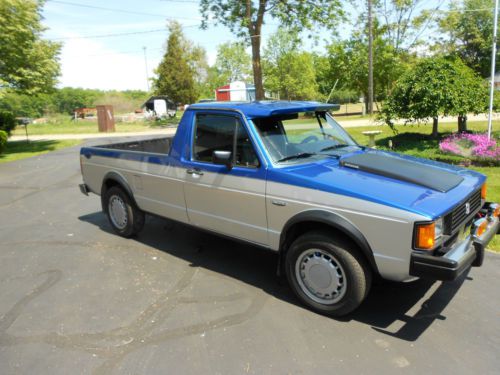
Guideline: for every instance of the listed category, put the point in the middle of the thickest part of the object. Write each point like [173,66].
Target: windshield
[303,135]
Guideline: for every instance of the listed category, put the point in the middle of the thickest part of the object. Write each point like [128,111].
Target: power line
[118,10]
[137,51]
[181,1]
[129,52]
[109,35]
[97,36]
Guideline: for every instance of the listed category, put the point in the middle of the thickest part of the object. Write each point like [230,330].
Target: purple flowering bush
[472,146]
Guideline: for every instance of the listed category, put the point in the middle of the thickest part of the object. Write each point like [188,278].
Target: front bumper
[450,266]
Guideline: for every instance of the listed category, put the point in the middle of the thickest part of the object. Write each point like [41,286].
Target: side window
[213,132]
[223,133]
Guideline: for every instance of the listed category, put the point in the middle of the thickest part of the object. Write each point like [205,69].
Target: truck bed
[156,145]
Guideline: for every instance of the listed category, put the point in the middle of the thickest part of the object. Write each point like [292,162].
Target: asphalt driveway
[75,298]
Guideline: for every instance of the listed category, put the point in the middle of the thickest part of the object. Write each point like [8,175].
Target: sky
[94,56]
[118,62]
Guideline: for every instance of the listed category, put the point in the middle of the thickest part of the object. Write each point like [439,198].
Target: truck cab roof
[266,108]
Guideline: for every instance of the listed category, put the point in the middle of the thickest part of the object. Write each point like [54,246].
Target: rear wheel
[125,217]
[328,274]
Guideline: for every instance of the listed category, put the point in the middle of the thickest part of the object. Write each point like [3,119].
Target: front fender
[335,221]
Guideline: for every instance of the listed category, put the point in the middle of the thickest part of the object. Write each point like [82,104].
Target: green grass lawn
[21,149]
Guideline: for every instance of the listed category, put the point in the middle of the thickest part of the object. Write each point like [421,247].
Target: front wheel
[123,214]
[327,273]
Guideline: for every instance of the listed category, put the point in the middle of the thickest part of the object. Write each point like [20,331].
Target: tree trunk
[435,133]
[257,68]
[254,29]
[462,124]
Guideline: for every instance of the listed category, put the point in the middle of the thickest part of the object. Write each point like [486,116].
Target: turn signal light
[425,237]
[496,212]
[483,191]
[481,228]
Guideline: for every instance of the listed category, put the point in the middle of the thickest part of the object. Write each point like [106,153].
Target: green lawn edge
[17,150]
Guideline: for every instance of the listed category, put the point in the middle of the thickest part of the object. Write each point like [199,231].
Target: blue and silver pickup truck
[286,176]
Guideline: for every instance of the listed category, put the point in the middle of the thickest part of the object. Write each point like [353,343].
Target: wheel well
[108,184]
[302,227]
[111,182]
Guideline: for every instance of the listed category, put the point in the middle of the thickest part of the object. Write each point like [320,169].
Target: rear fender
[114,178]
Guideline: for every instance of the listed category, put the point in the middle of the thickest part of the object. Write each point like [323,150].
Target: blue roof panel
[267,108]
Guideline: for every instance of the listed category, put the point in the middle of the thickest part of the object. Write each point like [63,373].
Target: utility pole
[493,58]
[370,58]
[146,64]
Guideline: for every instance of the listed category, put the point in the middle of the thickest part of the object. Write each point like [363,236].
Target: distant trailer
[159,106]
[235,92]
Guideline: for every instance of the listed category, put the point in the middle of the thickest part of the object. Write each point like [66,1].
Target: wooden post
[105,118]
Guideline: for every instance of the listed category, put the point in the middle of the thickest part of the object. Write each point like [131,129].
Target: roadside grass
[353,111]
[423,130]
[16,150]
[67,126]
[341,117]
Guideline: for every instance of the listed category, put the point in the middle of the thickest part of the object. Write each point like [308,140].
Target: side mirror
[223,157]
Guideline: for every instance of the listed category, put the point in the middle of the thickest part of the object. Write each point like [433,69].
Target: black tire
[134,217]
[338,260]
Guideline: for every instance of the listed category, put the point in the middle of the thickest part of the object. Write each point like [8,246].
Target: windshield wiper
[334,147]
[300,155]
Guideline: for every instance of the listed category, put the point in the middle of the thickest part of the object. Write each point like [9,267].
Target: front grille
[454,219]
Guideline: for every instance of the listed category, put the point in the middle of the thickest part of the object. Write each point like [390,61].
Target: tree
[22,105]
[68,98]
[175,76]
[404,22]
[293,77]
[197,58]
[347,62]
[28,63]
[246,18]
[233,62]
[211,82]
[436,87]
[287,70]
[469,27]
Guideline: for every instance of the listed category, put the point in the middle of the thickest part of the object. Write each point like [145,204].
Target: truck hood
[417,185]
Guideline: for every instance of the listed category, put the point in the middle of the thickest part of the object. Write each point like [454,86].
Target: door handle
[195,171]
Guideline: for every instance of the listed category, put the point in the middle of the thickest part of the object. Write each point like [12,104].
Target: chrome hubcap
[320,276]
[118,212]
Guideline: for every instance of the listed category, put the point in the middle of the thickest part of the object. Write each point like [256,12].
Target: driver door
[226,200]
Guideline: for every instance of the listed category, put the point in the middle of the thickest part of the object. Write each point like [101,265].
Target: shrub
[3,140]
[7,121]
[472,146]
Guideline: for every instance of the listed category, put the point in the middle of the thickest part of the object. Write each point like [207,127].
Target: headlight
[439,229]
[427,235]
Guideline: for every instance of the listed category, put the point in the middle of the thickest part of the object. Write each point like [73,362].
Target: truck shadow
[411,306]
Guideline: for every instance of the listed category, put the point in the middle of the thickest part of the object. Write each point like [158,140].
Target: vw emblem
[467,208]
